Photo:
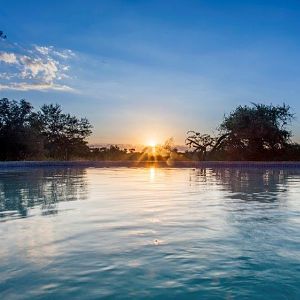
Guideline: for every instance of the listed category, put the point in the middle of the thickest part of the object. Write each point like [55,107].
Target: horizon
[144,72]
[139,147]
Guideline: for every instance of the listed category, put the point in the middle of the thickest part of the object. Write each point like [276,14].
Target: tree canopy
[46,133]
[19,131]
[253,132]
[64,134]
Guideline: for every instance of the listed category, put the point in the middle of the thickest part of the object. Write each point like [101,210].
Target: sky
[144,71]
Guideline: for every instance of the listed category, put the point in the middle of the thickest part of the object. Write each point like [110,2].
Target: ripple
[121,233]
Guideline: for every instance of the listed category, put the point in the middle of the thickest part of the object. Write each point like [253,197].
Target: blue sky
[149,70]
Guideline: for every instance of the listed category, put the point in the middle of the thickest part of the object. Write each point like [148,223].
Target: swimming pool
[133,233]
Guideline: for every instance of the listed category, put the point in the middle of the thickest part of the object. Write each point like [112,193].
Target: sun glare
[152,143]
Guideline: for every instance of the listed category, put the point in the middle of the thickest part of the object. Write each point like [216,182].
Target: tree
[249,132]
[202,143]
[65,134]
[167,148]
[113,152]
[48,133]
[20,136]
[255,132]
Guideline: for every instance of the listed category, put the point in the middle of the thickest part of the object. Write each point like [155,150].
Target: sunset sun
[151,143]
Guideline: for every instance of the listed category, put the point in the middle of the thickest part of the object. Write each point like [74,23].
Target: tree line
[47,133]
[250,132]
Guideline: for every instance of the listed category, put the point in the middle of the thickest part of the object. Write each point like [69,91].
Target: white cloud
[6,76]
[37,68]
[24,86]
[9,58]
[41,49]
[46,70]
[65,54]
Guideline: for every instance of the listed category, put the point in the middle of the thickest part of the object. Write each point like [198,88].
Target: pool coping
[160,164]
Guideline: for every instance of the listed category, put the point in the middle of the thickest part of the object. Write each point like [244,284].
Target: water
[149,233]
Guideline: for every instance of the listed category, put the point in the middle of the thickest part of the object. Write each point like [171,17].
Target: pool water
[145,233]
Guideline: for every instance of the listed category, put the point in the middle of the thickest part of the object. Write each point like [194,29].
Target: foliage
[20,137]
[48,133]
[257,132]
[164,152]
[203,143]
[108,153]
[65,134]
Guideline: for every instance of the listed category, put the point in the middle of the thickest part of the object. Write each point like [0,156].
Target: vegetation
[256,132]
[26,134]
[50,134]
[165,152]
[64,135]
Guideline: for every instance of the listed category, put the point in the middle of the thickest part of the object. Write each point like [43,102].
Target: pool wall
[166,164]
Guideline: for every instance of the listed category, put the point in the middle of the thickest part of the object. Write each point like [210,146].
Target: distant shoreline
[159,164]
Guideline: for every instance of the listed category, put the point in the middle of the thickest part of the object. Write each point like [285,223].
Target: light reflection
[152,173]
[44,188]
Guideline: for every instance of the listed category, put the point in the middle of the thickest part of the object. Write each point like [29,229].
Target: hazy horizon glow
[144,71]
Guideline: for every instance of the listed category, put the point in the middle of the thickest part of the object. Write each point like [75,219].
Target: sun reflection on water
[152,173]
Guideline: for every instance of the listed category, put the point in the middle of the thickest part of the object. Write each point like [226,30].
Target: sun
[151,143]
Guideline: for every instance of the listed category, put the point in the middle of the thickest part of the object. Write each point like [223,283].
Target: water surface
[149,233]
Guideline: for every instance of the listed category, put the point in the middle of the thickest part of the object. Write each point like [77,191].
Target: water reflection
[22,190]
[246,184]
[152,173]
[260,205]
[150,233]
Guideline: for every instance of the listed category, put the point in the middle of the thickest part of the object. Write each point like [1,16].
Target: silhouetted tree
[202,143]
[20,136]
[65,134]
[113,152]
[26,134]
[257,131]
[249,132]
